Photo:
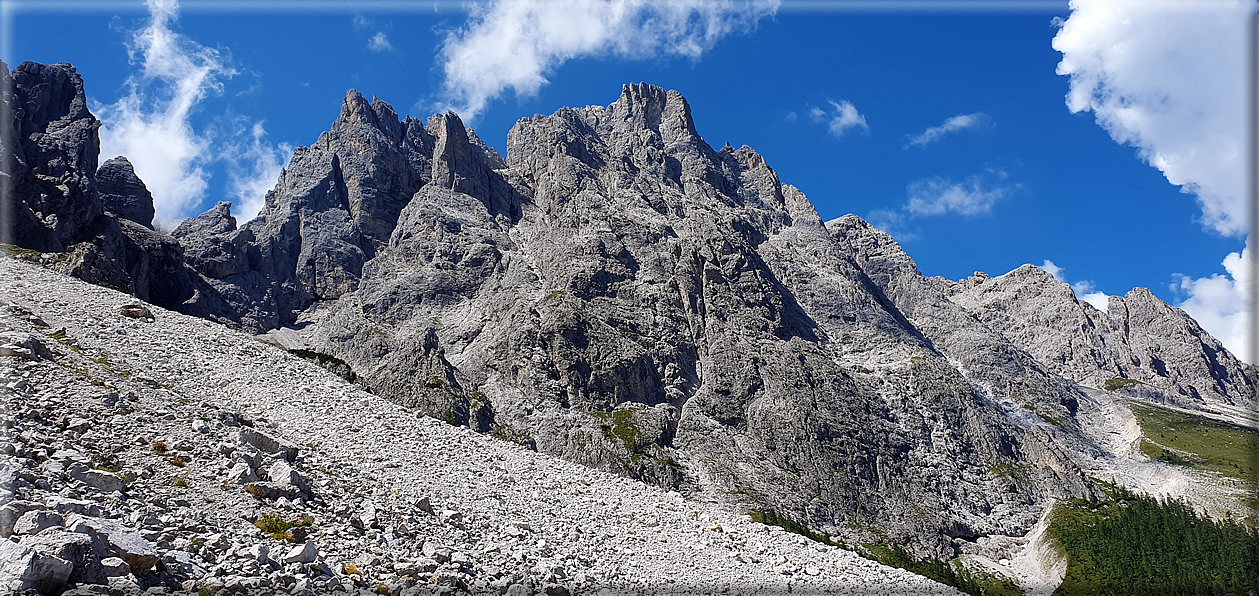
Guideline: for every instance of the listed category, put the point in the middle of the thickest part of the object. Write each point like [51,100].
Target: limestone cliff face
[626,296]
[618,292]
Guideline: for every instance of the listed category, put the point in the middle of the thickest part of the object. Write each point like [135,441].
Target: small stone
[366,517]
[114,567]
[134,311]
[306,553]
[241,473]
[34,522]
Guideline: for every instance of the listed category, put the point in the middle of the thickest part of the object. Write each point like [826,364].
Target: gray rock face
[123,193]
[1139,337]
[24,568]
[50,143]
[336,206]
[213,245]
[675,313]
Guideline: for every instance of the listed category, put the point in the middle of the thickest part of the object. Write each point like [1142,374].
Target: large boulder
[25,568]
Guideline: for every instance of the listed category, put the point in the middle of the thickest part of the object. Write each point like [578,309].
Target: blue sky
[839,99]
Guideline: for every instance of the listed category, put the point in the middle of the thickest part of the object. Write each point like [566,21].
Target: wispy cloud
[516,44]
[842,117]
[953,124]
[929,197]
[151,124]
[973,196]
[255,166]
[379,43]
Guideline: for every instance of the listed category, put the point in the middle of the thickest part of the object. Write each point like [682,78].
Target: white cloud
[893,223]
[379,43]
[842,119]
[151,124]
[1221,304]
[1168,79]
[1084,290]
[516,44]
[254,168]
[973,196]
[953,124]
[1052,269]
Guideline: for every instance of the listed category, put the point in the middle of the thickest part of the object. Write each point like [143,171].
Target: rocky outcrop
[336,206]
[123,194]
[50,147]
[1004,371]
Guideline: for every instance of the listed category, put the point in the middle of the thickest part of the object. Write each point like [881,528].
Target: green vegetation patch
[1136,544]
[278,527]
[770,517]
[1197,441]
[328,361]
[949,573]
[1121,383]
[17,251]
[621,428]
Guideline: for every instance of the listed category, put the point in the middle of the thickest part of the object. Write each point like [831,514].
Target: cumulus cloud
[973,196]
[151,124]
[953,124]
[842,118]
[1084,290]
[1221,303]
[379,43]
[517,44]
[1168,79]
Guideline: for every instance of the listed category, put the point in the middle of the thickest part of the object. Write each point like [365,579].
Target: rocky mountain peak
[50,150]
[647,106]
[217,220]
[51,93]
[123,193]
[357,111]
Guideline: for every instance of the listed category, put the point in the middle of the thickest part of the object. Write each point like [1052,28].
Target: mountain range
[617,292]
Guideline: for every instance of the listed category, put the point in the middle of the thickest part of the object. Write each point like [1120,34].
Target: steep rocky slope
[134,439]
[619,293]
